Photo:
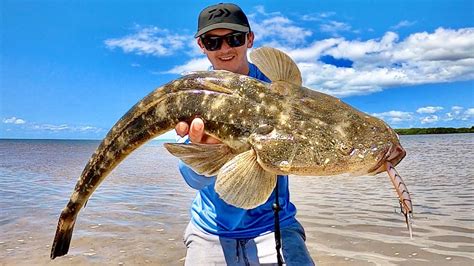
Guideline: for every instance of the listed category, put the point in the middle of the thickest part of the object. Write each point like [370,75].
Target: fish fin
[242,182]
[276,65]
[205,159]
[63,236]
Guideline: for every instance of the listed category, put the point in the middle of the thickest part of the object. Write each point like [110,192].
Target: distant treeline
[434,130]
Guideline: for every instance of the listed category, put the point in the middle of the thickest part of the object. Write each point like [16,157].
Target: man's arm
[192,178]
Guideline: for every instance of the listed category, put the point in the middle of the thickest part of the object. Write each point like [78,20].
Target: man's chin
[227,65]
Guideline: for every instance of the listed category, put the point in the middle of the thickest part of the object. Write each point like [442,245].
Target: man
[218,232]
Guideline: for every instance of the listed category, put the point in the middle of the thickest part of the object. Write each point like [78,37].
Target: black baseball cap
[222,16]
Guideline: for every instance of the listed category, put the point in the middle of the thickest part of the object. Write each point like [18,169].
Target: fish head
[350,141]
[393,153]
[371,148]
[317,134]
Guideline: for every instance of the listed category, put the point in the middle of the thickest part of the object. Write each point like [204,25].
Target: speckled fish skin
[293,130]
[214,96]
[203,94]
[317,134]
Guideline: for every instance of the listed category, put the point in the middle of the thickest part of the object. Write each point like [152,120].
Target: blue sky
[71,69]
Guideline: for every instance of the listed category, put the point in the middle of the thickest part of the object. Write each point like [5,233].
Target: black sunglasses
[214,43]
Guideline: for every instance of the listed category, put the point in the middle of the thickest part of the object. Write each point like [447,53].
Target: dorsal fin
[276,65]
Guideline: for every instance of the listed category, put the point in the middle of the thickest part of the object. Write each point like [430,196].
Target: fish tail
[63,236]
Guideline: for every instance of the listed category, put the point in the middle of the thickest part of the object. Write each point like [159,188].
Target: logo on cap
[219,12]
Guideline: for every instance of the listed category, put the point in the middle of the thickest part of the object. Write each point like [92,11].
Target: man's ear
[203,49]
[250,37]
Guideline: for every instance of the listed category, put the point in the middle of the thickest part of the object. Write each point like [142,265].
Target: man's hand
[195,132]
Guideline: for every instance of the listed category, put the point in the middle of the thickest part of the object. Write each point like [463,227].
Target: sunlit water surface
[139,213]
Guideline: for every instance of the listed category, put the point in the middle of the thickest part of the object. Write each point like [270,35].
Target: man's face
[228,58]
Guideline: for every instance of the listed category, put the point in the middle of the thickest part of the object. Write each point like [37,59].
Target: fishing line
[276,208]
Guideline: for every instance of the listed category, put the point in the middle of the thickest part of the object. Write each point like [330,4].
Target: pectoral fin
[242,182]
[205,159]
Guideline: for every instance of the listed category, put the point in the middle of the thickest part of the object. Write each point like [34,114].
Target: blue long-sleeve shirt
[211,214]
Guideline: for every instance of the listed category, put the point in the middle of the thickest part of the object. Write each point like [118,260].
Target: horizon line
[65,139]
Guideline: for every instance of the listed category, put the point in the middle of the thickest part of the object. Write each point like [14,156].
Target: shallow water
[357,220]
[139,213]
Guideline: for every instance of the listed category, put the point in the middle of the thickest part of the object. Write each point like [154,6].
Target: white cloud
[276,30]
[468,114]
[317,16]
[442,45]
[151,41]
[394,116]
[459,113]
[335,27]
[54,128]
[313,51]
[455,113]
[262,12]
[327,14]
[429,109]
[50,127]
[65,128]
[387,62]
[279,30]
[445,55]
[14,120]
[87,129]
[32,126]
[403,24]
[365,52]
[310,18]
[458,116]
[457,109]
[194,64]
[429,119]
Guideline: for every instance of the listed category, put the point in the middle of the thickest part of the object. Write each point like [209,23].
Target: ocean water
[139,213]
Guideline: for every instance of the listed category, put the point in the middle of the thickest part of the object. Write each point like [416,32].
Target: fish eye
[264,130]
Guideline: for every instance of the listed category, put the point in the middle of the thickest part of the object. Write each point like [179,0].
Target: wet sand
[139,213]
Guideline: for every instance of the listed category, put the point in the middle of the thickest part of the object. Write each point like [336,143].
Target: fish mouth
[393,154]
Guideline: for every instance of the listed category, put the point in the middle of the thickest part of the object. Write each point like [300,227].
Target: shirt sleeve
[254,72]
[194,179]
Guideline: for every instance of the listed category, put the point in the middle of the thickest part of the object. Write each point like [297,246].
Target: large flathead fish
[266,130]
